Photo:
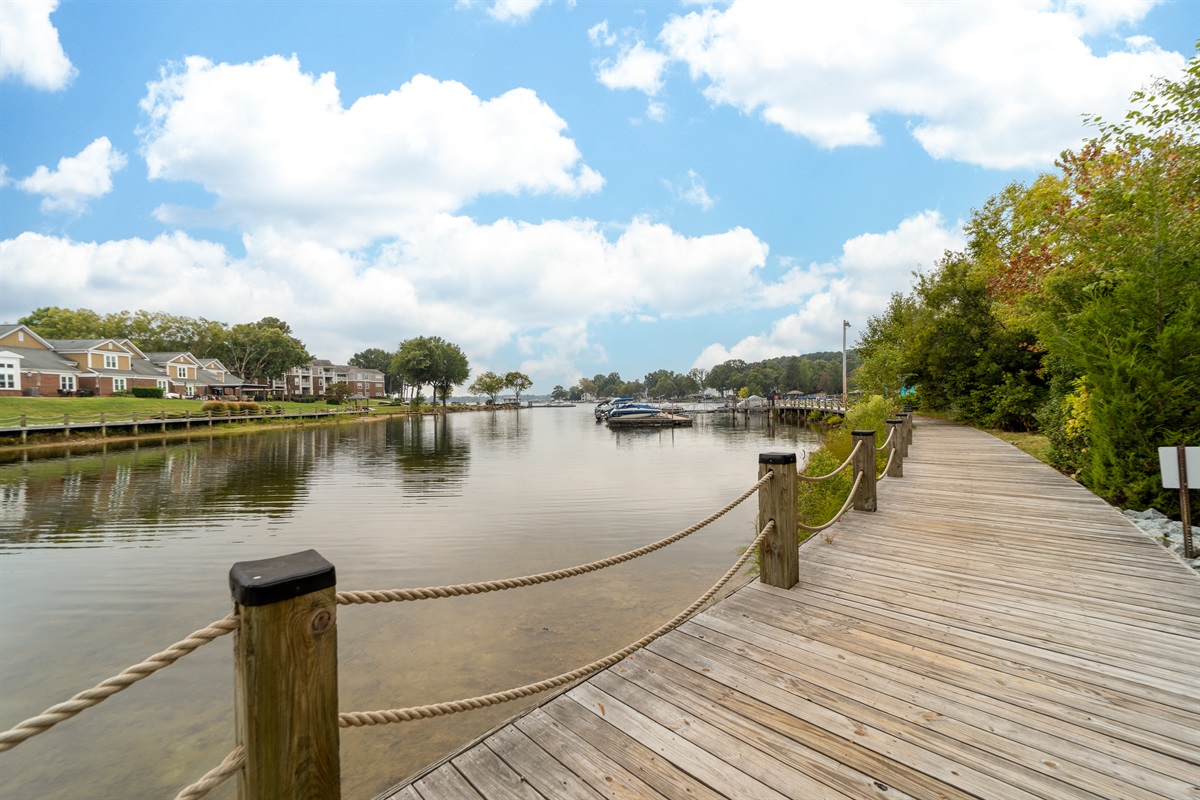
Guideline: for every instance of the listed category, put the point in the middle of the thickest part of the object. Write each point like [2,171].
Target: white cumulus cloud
[635,67]
[854,286]
[278,149]
[997,83]
[508,10]
[483,286]
[77,179]
[29,47]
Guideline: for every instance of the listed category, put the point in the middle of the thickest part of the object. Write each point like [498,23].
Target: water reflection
[431,456]
[141,493]
[114,554]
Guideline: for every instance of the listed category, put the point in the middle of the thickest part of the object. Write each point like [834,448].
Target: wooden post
[135,423]
[908,422]
[864,462]
[902,434]
[895,455]
[1185,504]
[103,427]
[24,432]
[66,426]
[779,553]
[286,694]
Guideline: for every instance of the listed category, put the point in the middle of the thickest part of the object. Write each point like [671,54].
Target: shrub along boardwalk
[994,630]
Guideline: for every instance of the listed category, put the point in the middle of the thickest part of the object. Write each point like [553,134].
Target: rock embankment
[1166,532]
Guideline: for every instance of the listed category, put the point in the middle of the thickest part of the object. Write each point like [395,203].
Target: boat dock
[993,630]
[657,421]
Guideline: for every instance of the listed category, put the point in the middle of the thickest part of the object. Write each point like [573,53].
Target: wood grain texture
[992,630]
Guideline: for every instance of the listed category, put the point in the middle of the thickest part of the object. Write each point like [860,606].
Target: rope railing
[215,776]
[358,719]
[891,435]
[891,457]
[840,513]
[481,587]
[846,463]
[110,686]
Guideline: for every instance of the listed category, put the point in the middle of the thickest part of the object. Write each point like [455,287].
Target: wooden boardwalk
[993,631]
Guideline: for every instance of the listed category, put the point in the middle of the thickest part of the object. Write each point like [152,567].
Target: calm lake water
[108,557]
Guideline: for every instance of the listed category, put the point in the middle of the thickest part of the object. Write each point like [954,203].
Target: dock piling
[286,689]
[779,553]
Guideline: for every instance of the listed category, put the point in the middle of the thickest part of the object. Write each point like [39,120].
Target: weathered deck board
[993,631]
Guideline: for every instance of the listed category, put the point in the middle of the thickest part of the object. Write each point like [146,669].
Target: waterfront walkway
[994,630]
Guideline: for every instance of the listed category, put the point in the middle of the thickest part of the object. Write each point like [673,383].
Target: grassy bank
[819,502]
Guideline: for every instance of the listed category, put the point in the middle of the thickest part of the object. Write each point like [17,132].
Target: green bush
[147,391]
[818,502]
[308,398]
[215,406]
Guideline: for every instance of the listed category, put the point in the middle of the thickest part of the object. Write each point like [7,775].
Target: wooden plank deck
[993,631]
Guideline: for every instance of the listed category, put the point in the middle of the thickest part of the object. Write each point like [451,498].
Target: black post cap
[865,433]
[777,458]
[271,580]
[895,421]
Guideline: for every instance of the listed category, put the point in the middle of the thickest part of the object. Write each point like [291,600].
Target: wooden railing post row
[779,552]
[286,694]
[864,462]
[895,453]
[908,422]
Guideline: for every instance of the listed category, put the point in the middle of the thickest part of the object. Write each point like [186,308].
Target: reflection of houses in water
[140,493]
[12,502]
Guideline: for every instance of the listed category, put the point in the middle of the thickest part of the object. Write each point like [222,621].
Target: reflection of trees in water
[504,431]
[431,454]
[137,492]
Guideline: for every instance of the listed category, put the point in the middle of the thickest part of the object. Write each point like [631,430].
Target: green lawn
[51,409]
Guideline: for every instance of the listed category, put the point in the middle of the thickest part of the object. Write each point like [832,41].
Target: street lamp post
[845,325]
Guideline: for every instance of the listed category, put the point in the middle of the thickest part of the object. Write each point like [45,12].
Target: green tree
[434,361]
[559,393]
[380,359]
[336,393]
[488,383]
[1121,299]
[52,322]
[260,353]
[518,382]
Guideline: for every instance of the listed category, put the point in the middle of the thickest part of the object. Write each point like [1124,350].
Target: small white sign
[1168,460]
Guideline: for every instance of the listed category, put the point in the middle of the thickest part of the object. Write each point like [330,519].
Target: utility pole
[845,325]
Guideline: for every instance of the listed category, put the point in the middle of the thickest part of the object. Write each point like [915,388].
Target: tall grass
[818,502]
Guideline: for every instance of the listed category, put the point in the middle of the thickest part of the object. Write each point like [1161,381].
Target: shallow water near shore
[108,557]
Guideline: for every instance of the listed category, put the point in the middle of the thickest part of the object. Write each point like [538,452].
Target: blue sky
[563,188]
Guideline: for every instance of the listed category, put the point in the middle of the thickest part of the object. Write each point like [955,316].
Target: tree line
[1074,309]
[813,373]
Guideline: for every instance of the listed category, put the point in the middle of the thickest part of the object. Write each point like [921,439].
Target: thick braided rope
[846,463]
[886,441]
[887,466]
[215,776]
[457,590]
[838,515]
[359,719]
[110,686]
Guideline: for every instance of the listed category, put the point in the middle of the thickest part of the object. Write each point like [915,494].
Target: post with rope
[779,553]
[896,448]
[908,422]
[285,654]
[864,462]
